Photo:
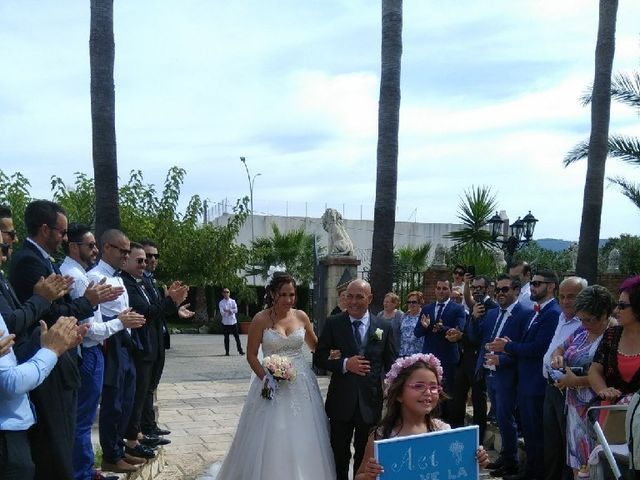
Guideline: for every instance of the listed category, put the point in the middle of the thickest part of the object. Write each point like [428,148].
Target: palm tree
[625,89]
[294,250]
[103,128]
[384,217]
[411,259]
[587,263]
[474,211]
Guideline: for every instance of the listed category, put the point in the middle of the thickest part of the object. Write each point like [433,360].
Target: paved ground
[200,400]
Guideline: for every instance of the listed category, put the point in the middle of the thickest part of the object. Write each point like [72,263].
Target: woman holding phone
[594,305]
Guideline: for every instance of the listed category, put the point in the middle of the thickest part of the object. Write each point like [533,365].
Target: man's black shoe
[495,465]
[150,441]
[517,476]
[140,451]
[240,352]
[157,431]
[504,471]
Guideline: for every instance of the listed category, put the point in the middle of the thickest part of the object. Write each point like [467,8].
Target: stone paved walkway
[200,399]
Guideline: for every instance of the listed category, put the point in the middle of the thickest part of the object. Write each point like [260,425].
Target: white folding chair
[611,432]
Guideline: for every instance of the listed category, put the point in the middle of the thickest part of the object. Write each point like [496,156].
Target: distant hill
[558,245]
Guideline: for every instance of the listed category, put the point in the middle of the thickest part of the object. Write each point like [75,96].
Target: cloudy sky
[489,97]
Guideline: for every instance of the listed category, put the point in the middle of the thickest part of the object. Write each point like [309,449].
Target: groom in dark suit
[354,398]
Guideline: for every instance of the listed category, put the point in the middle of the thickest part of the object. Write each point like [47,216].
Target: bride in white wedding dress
[287,437]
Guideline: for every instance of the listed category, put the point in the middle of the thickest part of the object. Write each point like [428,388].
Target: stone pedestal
[332,269]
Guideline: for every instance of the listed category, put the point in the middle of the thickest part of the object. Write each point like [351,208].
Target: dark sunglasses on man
[153,255]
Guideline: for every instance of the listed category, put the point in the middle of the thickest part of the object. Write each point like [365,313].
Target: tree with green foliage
[294,249]
[543,258]
[14,192]
[481,257]
[411,258]
[629,248]
[199,255]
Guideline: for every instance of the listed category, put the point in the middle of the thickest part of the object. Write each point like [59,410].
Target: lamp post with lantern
[521,232]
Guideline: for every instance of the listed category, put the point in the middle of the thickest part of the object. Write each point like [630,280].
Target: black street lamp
[521,234]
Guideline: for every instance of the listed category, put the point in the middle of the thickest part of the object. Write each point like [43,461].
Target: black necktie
[356,333]
[7,293]
[496,327]
[439,314]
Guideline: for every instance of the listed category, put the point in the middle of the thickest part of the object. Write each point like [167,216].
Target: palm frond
[625,88]
[580,151]
[628,189]
[474,211]
[625,148]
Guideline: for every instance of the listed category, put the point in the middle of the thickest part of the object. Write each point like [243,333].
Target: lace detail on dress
[297,392]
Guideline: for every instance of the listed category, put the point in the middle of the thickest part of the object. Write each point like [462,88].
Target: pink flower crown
[400,364]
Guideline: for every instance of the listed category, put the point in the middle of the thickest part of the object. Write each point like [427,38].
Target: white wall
[360,231]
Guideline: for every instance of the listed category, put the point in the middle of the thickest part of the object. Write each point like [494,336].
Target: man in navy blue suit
[441,323]
[465,374]
[531,384]
[499,370]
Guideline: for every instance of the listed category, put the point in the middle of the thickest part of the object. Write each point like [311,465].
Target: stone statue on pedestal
[339,242]
[613,264]
[438,256]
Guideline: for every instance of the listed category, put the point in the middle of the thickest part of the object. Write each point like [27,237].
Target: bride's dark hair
[277,281]
[392,419]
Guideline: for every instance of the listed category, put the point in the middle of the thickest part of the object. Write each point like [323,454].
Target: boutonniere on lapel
[377,335]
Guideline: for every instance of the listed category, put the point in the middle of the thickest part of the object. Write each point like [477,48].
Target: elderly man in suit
[354,398]
[55,399]
[441,323]
[529,353]
[499,370]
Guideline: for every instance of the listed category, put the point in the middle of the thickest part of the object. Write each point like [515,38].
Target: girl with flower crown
[413,390]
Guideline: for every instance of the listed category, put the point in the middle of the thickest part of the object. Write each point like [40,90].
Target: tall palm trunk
[587,262]
[384,218]
[103,123]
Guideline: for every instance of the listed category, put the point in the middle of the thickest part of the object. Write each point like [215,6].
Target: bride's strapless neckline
[284,335]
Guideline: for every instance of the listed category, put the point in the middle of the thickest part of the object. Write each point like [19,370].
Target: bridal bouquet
[278,368]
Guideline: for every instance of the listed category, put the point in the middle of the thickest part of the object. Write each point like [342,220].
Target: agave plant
[474,211]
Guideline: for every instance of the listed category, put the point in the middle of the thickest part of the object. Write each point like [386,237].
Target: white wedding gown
[287,437]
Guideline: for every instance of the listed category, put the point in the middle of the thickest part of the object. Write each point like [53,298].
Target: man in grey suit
[354,399]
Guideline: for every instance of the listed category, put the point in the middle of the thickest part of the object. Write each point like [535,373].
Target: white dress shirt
[228,318]
[113,308]
[98,330]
